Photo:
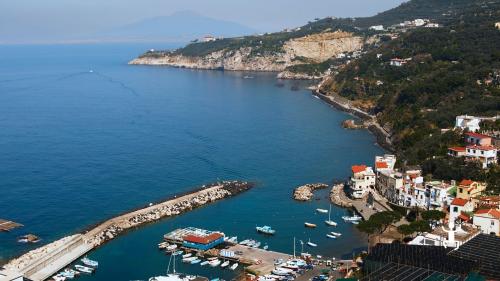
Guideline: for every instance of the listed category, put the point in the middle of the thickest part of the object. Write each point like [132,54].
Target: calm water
[78,147]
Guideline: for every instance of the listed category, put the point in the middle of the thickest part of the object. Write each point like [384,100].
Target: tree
[433,215]
[406,229]
[378,222]
[420,226]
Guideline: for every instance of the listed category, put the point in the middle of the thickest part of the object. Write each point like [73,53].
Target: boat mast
[329,212]
[294,247]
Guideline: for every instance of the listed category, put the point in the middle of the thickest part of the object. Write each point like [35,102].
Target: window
[455,209]
[460,190]
[492,222]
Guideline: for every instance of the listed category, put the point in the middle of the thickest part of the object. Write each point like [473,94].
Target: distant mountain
[179,27]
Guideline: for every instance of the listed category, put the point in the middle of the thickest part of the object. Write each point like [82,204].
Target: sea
[84,136]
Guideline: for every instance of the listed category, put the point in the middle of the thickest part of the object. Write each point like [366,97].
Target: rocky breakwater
[338,196]
[306,192]
[175,206]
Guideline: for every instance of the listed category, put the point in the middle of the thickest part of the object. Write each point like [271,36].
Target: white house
[361,181]
[390,184]
[388,161]
[377,27]
[467,122]
[208,38]
[459,205]
[486,155]
[488,221]
[398,62]
[419,22]
[437,194]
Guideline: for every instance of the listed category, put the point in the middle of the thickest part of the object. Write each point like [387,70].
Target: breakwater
[43,262]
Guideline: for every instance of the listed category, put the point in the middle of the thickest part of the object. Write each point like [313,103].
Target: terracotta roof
[202,240]
[492,212]
[482,147]
[494,198]
[381,165]
[358,168]
[465,182]
[464,217]
[459,202]
[457,148]
[477,135]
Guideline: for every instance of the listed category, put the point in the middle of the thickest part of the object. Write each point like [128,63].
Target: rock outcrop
[305,192]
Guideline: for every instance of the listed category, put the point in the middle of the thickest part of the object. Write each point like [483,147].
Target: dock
[45,261]
[6,225]
[259,261]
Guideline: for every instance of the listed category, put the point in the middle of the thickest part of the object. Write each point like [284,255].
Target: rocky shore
[305,192]
[338,196]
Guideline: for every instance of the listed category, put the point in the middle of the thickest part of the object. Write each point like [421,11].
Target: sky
[32,20]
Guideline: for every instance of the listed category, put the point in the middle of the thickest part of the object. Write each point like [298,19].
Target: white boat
[352,218]
[214,263]
[256,244]
[172,276]
[171,247]
[58,278]
[265,229]
[233,239]
[311,244]
[189,259]
[308,224]
[67,274]
[224,264]
[265,247]
[329,221]
[176,253]
[163,245]
[84,269]
[234,266]
[186,255]
[355,222]
[331,236]
[266,278]
[245,242]
[88,262]
[323,211]
[282,271]
[212,258]
[197,260]
[336,233]
[204,263]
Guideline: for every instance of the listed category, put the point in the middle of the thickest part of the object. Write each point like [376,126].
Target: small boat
[308,224]
[355,222]
[265,229]
[234,266]
[204,263]
[58,278]
[88,262]
[84,269]
[323,211]
[247,77]
[189,259]
[224,264]
[186,255]
[67,274]
[256,244]
[265,247]
[29,238]
[329,221]
[233,239]
[215,279]
[282,271]
[171,247]
[331,236]
[336,233]
[311,244]
[245,242]
[212,258]
[352,218]
[214,263]
[197,260]
[176,253]
[163,245]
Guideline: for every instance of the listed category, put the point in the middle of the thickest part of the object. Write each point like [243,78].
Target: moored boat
[336,233]
[189,259]
[224,264]
[234,266]
[265,229]
[84,269]
[311,244]
[197,260]
[331,236]
[204,263]
[308,224]
[329,221]
[214,263]
[176,253]
[352,218]
[186,255]
[323,211]
[88,262]
[171,247]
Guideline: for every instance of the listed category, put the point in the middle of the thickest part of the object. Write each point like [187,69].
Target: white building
[470,123]
[419,22]
[398,62]
[208,38]
[488,221]
[387,161]
[486,155]
[361,181]
[377,27]
[459,205]
[437,194]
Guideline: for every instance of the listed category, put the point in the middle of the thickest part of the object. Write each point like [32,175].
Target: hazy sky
[57,19]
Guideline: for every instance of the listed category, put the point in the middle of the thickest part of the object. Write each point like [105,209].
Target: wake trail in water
[118,82]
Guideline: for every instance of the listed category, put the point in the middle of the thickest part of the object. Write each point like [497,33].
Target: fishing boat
[176,253]
[67,274]
[163,245]
[171,247]
[352,218]
[336,233]
[329,221]
[234,266]
[233,239]
[28,238]
[265,247]
[197,260]
[189,259]
[204,263]
[311,244]
[256,244]
[214,263]
[323,211]
[224,264]
[331,236]
[88,262]
[308,224]
[245,242]
[84,269]
[186,255]
[58,278]
[265,229]
[282,271]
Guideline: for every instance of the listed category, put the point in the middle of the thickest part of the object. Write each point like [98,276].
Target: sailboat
[174,276]
[329,221]
[311,244]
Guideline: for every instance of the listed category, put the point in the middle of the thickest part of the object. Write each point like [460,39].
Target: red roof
[381,165]
[459,202]
[465,182]
[203,240]
[482,147]
[457,148]
[464,217]
[358,168]
[493,212]
[477,135]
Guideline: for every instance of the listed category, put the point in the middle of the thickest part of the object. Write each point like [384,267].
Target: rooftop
[459,202]
[482,147]
[358,168]
[492,212]
[477,135]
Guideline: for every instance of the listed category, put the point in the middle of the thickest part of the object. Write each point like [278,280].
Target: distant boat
[204,263]
[176,253]
[265,247]
[234,266]
[91,71]
[88,262]
[336,233]
[311,244]
[331,236]
[355,222]
[29,238]
[323,211]
[265,229]
[224,264]
[214,263]
[197,260]
[311,225]
[186,255]
[248,77]
[233,239]
[352,218]
[329,221]
[245,242]
[163,245]
[84,269]
[189,259]
[256,244]
[171,247]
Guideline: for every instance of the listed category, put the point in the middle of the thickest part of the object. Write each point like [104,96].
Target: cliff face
[312,48]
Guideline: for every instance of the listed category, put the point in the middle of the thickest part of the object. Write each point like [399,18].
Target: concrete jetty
[260,261]
[43,262]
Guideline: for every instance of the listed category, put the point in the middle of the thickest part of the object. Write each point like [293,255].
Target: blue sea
[84,136]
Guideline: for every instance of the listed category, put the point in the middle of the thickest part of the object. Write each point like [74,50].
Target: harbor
[42,263]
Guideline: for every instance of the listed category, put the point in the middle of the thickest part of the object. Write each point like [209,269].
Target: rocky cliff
[314,48]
